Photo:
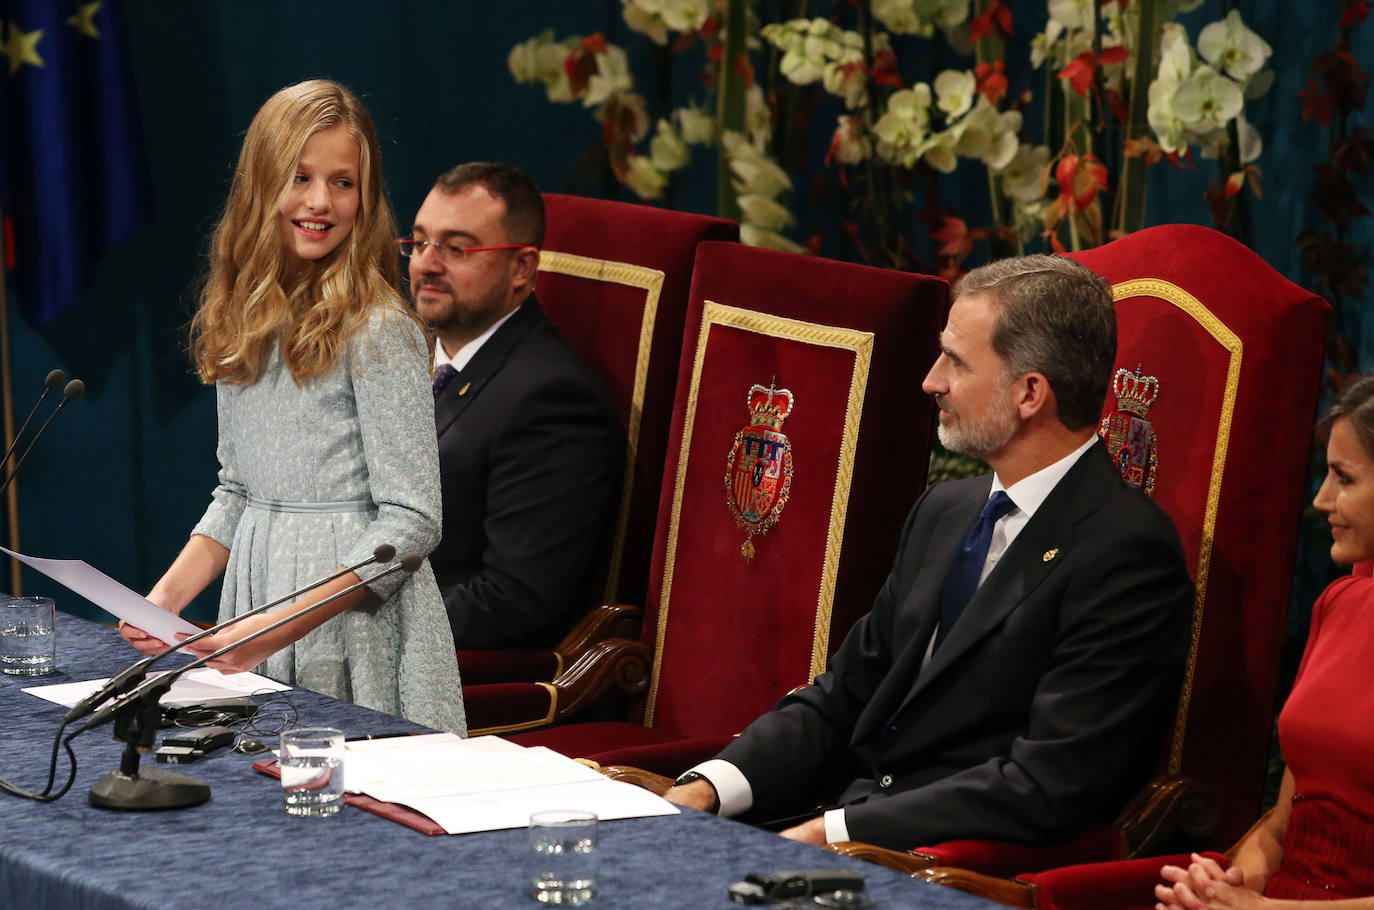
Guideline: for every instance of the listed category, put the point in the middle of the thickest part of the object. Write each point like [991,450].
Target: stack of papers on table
[196,686]
[486,783]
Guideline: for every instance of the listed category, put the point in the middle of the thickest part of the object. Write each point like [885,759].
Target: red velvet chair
[829,466]
[1222,438]
[614,278]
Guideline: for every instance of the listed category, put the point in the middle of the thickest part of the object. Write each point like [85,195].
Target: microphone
[51,383]
[133,674]
[156,688]
[74,390]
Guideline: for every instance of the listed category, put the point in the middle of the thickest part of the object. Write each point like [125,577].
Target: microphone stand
[134,674]
[137,715]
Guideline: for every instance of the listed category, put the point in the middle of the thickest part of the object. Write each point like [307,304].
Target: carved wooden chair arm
[1001,890]
[606,621]
[656,784]
[619,662]
[900,860]
[1167,805]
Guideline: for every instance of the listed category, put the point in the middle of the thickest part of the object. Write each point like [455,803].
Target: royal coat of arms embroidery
[758,473]
[1130,437]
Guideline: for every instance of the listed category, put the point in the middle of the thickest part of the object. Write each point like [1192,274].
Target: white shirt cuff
[835,828]
[732,787]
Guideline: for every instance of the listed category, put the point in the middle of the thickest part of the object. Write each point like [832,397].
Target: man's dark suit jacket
[531,452]
[1039,713]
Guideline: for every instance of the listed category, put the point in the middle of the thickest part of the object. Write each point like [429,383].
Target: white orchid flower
[667,151]
[681,15]
[1232,48]
[763,212]
[612,77]
[900,17]
[905,125]
[849,81]
[1251,143]
[1021,177]
[752,235]
[1072,14]
[1207,100]
[945,14]
[645,22]
[523,60]
[1168,128]
[848,145]
[939,151]
[1175,56]
[758,117]
[643,178]
[696,126]
[955,91]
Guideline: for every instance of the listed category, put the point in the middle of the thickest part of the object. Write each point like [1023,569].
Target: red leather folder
[397,813]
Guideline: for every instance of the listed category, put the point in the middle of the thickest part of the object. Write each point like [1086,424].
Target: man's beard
[463,315]
[980,438]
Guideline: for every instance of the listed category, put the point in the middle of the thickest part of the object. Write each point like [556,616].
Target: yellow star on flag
[21,47]
[84,19]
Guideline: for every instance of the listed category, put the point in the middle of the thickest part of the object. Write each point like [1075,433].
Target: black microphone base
[151,789]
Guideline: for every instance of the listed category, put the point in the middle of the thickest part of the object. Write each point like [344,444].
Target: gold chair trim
[524,724]
[651,282]
[1172,293]
[860,343]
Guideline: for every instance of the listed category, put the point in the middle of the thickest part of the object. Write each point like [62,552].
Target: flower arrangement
[1124,89]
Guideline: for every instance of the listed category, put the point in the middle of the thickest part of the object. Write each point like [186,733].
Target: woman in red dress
[1318,843]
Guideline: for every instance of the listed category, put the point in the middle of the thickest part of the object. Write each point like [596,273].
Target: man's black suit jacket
[531,452]
[1038,714]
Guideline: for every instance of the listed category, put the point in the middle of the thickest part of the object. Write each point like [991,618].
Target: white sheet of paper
[108,594]
[198,685]
[401,775]
[609,799]
[479,743]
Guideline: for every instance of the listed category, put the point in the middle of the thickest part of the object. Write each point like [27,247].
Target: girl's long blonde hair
[246,305]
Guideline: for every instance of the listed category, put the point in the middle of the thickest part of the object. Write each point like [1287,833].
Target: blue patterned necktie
[442,377]
[967,567]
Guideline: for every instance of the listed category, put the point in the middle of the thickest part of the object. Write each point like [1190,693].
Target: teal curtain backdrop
[125,473]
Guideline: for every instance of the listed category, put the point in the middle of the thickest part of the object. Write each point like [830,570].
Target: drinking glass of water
[28,640]
[312,773]
[563,857]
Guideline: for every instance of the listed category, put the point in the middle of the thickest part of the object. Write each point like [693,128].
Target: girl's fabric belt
[348,505]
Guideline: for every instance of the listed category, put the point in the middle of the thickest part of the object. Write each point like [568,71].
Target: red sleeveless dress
[1326,730]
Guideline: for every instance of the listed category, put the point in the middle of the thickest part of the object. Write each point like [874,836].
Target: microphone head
[75,389]
[54,380]
[384,553]
[411,561]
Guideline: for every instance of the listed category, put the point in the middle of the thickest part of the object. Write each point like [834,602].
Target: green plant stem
[1128,213]
[989,50]
[730,105]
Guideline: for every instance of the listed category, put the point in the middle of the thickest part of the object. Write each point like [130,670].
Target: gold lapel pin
[1050,554]
[464,390]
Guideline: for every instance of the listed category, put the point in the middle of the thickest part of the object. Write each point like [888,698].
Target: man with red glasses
[530,447]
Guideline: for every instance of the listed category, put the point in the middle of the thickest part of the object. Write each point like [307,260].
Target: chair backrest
[614,278]
[814,480]
[1223,437]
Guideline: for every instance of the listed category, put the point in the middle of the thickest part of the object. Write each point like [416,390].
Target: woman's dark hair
[1355,403]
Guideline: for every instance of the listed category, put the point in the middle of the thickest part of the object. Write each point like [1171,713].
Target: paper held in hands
[109,595]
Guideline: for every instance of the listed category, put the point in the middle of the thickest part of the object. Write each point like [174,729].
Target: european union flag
[72,177]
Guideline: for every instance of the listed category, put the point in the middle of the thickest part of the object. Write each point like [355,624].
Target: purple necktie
[442,377]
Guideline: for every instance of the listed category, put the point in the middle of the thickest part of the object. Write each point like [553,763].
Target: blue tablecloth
[242,850]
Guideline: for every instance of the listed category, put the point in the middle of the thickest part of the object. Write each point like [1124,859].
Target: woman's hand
[246,657]
[1204,885]
[145,643]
